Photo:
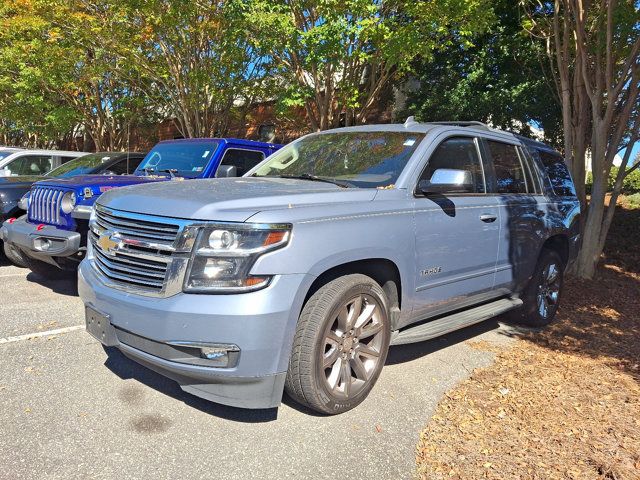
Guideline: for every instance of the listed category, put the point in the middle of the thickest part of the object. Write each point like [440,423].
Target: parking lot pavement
[69,411]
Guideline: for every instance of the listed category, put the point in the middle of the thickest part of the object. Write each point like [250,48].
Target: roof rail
[470,123]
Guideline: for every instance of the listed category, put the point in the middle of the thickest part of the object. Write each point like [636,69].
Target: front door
[456,234]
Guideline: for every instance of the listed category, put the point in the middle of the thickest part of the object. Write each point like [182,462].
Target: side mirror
[446,180]
[225,171]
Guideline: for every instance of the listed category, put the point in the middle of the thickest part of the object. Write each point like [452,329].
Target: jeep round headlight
[68,202]
[23,203]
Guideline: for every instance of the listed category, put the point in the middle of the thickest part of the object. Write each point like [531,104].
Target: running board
[435,328]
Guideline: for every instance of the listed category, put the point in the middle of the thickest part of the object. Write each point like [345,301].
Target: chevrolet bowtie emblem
[109,242]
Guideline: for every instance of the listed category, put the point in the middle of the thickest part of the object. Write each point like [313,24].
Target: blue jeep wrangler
[53,234]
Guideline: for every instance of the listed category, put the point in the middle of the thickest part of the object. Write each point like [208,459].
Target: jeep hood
[96,181]
[229,199]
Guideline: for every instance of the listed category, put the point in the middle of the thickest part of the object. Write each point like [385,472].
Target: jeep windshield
[6,153]
[183,159]
[84,165]
[360,159]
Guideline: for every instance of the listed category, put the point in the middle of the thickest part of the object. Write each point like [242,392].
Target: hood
[97,181]
[19,182]
[229,199]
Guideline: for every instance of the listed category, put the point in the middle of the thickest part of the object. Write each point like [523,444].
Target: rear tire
[541,298]
[14,255]
[48,271]
[340,345]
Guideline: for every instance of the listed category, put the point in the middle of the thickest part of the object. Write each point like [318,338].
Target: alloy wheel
[548,290]
[352,346]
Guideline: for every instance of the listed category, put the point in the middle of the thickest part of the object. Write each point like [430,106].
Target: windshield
[185,159]
[80,166]
[360,159]
[6,153]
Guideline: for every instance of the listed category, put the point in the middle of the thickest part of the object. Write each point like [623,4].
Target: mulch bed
[560,403]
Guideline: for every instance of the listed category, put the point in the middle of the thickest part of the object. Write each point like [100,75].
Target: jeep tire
[340,345]
[14,255]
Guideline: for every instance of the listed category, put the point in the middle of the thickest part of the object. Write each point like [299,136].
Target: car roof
[413,126]
[235,141]
[50,152]
[119,154]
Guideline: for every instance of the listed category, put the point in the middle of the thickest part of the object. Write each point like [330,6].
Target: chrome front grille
[44,205]
[138,253]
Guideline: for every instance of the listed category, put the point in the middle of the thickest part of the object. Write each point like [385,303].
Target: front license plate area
[99,327]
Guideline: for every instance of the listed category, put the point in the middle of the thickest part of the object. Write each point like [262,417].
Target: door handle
[488,218]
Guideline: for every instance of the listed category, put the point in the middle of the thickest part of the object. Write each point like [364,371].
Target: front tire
[340,345]
[541,298]
[14,255]
[48,271]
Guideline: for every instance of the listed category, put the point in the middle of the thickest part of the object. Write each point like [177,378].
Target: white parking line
[46,333]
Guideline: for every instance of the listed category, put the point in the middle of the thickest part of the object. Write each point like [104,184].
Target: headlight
[23,203]
[68,202]
[223,257]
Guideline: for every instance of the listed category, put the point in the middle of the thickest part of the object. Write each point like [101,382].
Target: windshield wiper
[171,171]
[314,178]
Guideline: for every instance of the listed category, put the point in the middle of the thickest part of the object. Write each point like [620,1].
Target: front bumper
[27,237]
[261,324]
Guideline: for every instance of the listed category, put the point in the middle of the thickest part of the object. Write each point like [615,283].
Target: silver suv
[301,274]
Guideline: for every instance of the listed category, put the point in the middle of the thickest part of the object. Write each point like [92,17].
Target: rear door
[456,234]
[515,182]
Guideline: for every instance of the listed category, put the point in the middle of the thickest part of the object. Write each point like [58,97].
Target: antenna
[410,121]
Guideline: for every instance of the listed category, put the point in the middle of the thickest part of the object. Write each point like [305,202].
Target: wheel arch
[383,271]
[558,243]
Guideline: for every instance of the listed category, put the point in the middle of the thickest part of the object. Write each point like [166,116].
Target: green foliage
[633,200]
[496,77]
[342,54]
[630,184]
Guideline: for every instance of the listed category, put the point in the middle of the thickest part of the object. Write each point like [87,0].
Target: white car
[15,161]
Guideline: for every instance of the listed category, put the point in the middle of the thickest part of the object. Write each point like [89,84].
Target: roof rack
[470,123]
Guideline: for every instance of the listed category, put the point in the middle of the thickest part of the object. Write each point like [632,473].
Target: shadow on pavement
[128,369]
[65,286]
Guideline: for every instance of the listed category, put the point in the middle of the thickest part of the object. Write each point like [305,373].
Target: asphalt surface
[67,410]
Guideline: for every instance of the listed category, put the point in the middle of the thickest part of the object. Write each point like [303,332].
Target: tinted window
[187,159]
[510,176]
[81,166]
[66,159]
[125,166]
[31,165]
[558,173]
[457,153]
[243,160]
[363,159]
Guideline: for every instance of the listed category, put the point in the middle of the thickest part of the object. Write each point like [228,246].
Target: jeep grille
[44,205]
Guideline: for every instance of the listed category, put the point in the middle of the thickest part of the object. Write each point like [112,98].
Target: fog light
[42,244]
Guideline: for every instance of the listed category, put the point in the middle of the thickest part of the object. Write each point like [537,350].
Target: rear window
[558,173]
[510,176]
